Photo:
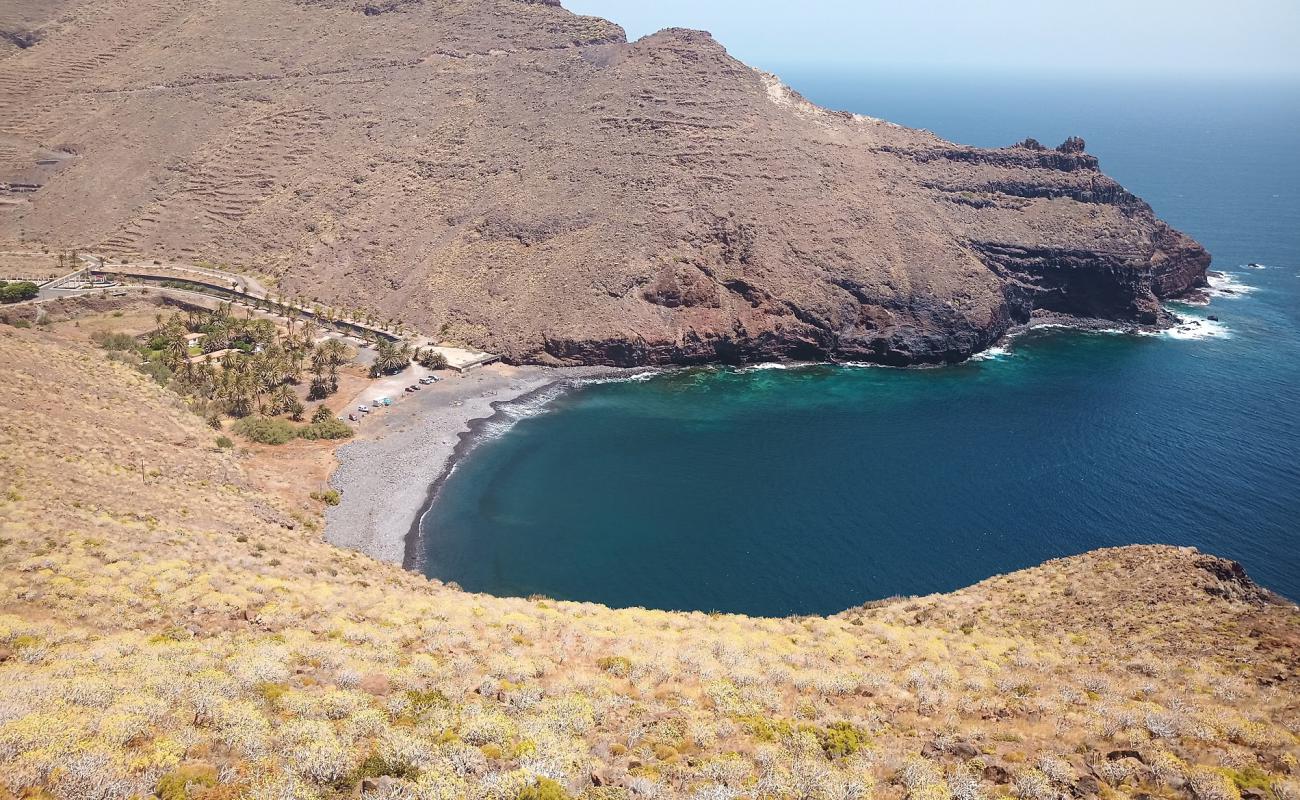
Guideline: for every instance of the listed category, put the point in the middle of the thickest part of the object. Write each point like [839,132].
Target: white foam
[509,414]
[991,354]
[766,365]
[1078,328]
[1227,284]
[1197,328]
[636,377]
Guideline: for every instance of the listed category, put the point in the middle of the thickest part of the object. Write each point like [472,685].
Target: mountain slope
[166,623]
[521,178]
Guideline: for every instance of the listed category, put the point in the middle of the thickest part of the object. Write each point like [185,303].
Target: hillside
[508,174]
[170,627]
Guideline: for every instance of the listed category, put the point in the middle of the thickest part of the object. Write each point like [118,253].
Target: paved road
[458,358]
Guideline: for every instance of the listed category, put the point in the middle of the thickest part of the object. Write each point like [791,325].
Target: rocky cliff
[524,179]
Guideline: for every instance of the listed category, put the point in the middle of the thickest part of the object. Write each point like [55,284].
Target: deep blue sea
[809,490]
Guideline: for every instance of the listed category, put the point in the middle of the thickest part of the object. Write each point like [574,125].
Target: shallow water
[811,489]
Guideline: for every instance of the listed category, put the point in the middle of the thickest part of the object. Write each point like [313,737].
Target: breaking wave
[991,354]
[1227,285]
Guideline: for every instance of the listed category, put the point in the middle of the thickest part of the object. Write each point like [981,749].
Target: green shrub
[22,323]
[322,414]
[840,739]
[766,729]
[18,290]
[331,428]
[116,341]
[265,430]
[376,766]
[176,785]
[157,370]
[544,789]
[618,666]
[424,700]
[1249,777]
[224,442]
[329,497]
[837,740]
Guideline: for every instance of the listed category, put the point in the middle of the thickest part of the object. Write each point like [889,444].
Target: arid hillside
[168,628]
[511,175]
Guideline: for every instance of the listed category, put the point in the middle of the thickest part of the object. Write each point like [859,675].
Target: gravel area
[385,475]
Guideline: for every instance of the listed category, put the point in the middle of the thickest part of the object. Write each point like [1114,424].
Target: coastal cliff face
[523,179]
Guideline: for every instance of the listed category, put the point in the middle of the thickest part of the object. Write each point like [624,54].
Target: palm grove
[249,366]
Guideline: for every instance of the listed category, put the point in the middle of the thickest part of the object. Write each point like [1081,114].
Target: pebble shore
[385,474]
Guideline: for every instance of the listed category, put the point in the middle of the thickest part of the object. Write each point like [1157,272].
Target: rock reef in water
[524,179]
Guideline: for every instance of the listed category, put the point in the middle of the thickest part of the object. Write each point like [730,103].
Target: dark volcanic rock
[508,174]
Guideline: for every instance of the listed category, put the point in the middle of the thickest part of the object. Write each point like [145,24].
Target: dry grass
[177,632]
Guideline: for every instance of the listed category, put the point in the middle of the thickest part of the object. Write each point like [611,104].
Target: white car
[364,409]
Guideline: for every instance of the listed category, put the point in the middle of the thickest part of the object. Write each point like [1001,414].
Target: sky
[1193,38]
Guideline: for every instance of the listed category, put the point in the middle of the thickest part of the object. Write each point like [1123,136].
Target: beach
[385,475]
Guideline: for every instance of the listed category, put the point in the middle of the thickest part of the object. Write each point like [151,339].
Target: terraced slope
[523,179]
[168,628]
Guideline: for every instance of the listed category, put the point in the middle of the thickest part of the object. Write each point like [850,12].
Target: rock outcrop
[523,179]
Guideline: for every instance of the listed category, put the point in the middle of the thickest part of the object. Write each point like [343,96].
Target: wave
[646,374]
[992,354]
[860,365]
[1195,329]
[508,413]
[1080,328]
[766,365]
[1227,284]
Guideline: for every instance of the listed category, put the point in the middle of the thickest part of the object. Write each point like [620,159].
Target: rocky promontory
[516,177]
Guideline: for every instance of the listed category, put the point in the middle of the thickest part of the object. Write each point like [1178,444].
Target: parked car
[352,417]
[427,379]
[409,389]
[364,409]
[415,387]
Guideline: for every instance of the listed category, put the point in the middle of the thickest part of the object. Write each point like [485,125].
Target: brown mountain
[515,176]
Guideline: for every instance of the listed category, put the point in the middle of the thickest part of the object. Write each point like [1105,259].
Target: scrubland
[169,628]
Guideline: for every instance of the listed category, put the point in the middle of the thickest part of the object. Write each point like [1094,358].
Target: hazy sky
[1191,37]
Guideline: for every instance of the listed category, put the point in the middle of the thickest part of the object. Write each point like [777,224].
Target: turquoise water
[808,490]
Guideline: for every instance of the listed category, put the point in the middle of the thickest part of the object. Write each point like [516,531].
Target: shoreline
[474,435]
[390,472]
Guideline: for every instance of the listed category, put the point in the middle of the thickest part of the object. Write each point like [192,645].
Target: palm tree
[336,353]
[177,352]
[390,358]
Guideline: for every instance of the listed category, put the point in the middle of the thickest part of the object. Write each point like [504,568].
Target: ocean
[812,489]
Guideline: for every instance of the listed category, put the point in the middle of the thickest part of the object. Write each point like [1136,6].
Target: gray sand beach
[385,474]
